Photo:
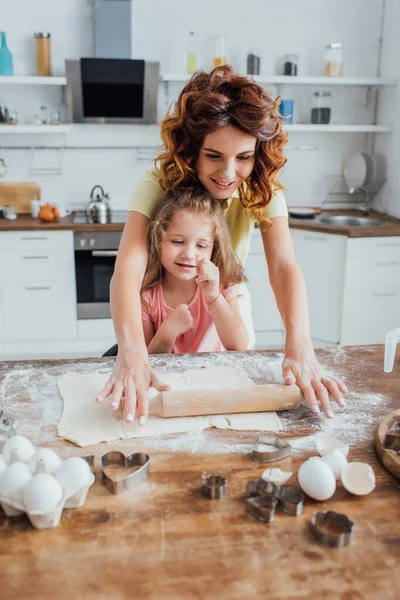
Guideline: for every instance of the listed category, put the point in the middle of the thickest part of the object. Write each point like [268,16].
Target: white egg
[316,479]
[3,464]
[19,445]
[326,444]
[74,474]
[13,479]
[42,494]
[50,460]
[337,461]
[358,478]
[276,475]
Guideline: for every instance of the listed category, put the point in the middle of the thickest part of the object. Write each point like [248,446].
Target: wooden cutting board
[19,195]
[387,442]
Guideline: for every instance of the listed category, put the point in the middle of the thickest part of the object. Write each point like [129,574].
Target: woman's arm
[132,375]
[300,365]
[228,322]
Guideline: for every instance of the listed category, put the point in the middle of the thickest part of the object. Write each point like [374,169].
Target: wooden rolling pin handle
[258,398]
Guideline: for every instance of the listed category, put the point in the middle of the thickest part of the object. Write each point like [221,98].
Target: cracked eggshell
[74,474]
[21,446]
[337,461]
[49,459]
[316,479]
[358,478]
[3,464]
[13,479]
[42,494]
[276,475]
[326,444]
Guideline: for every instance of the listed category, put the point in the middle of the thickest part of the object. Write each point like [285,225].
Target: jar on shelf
[253,63]
[44,115]
[191,54]
[321,108]
[43,55]
[290,64]
[334,60]
[220,51]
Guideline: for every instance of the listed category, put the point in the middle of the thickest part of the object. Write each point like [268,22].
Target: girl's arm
[228,322]
[300,365]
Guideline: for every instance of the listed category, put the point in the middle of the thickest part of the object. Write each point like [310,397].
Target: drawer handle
[388,245]
[31,288]
[36,257]
[315,239]
[393,263]
[34,238]
[104,253]
[385,294]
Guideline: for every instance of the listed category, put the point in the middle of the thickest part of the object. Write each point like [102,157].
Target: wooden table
[167,541]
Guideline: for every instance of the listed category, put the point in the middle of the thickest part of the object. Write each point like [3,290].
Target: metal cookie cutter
[269,448]
[259,487]
[130,481]
[214,486]
[332,528]
[290,501]
[262,508]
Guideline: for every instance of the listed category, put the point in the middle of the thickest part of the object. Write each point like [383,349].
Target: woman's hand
[208,279]
[301,367]
[129,384]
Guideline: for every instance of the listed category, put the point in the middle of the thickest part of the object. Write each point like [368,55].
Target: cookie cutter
[289,500]
[262,507]
[214,486]
[117,486]
[260,487]
[269,448]
[332,528]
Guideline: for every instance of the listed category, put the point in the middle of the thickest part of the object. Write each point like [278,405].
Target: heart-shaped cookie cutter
[138,459]
[269,448]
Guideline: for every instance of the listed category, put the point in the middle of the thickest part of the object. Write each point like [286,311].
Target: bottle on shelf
[43,55]
[6,60]
[253,63]
[220,51]
[44,118]
[191,54]
[334,60]
[290,64]
[321,108]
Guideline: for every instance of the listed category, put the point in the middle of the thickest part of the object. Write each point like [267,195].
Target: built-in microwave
[112,90]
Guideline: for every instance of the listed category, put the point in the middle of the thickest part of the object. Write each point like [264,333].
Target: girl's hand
[208,279]
[301,367]
[129,384]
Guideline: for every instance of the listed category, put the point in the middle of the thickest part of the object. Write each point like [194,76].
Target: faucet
[365,208]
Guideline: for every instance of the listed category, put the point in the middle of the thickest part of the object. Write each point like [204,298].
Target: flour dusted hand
[208,279]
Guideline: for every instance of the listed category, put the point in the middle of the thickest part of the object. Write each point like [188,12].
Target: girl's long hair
[213,100]
[195,200]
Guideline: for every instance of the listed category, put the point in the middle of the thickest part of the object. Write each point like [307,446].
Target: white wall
[160,31]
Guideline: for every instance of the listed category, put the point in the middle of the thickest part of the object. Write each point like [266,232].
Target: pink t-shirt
[202,336]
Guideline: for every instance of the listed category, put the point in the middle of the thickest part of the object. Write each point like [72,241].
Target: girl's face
[225,160]
[189,238]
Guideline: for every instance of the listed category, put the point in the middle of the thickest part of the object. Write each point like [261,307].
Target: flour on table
[85,422]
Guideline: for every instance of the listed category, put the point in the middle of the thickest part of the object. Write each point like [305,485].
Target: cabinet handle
[34,288]
[387,264]
[315,239]
[34,238]
[385,294]
[104,252]
[388,244]
[36,257]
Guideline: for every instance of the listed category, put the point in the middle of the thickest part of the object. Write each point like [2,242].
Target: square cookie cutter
[269,448]
[127,482]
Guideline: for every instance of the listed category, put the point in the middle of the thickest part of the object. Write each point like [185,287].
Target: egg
[48,458]
[20,446]
[358,478]
[42,494]
[337,461]
[3,464]
[276,475]
[13,479]
[316,479]
[74,474]
[326,444]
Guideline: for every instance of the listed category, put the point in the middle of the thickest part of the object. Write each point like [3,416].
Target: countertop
[166,540]
[392,228]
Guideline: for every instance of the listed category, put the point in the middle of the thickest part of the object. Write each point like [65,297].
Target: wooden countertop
[167,541]
[392,228]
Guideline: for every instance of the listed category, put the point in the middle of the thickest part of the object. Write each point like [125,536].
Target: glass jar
[43,55]
[220,51]
[290,64]
[191,53]
[321,108]
[334,60]
[253,63]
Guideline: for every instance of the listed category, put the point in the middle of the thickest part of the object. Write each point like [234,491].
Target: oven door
[93,270]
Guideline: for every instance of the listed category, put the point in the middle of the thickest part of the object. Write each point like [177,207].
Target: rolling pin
[257,398]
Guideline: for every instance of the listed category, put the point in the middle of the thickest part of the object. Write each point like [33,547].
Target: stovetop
[117,216]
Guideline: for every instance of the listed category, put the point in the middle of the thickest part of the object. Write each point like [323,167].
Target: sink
[351,221]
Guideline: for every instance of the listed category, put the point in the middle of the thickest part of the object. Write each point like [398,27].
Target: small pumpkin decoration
[48,212]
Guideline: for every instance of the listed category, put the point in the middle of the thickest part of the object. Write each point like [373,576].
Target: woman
[225,133]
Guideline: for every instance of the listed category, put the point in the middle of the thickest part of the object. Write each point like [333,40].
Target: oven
[95,254]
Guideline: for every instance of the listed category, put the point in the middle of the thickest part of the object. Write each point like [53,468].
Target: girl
[189,299]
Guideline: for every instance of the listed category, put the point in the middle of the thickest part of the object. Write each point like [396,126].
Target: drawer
[37,265]
[39,311]
[361,272]
[374,249]
[36,240]
[368,314]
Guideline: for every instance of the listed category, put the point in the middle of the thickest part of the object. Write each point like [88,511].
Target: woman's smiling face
[225,160]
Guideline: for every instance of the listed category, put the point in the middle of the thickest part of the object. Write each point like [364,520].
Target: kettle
[98,210]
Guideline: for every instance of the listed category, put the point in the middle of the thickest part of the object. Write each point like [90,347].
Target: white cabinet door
[39,311]
[322,259]
[266,316]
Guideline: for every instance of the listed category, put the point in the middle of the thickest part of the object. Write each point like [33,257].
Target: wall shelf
[337,128]
[33,129]
[291,80]
[31,80]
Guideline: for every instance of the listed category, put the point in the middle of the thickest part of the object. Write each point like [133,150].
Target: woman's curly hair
[213,100]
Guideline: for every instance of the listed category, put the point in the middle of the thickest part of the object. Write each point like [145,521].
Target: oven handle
[104,252]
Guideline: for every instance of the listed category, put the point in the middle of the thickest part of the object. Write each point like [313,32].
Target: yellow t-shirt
[240,222]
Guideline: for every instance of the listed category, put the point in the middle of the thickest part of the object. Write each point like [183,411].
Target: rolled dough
[84,422]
